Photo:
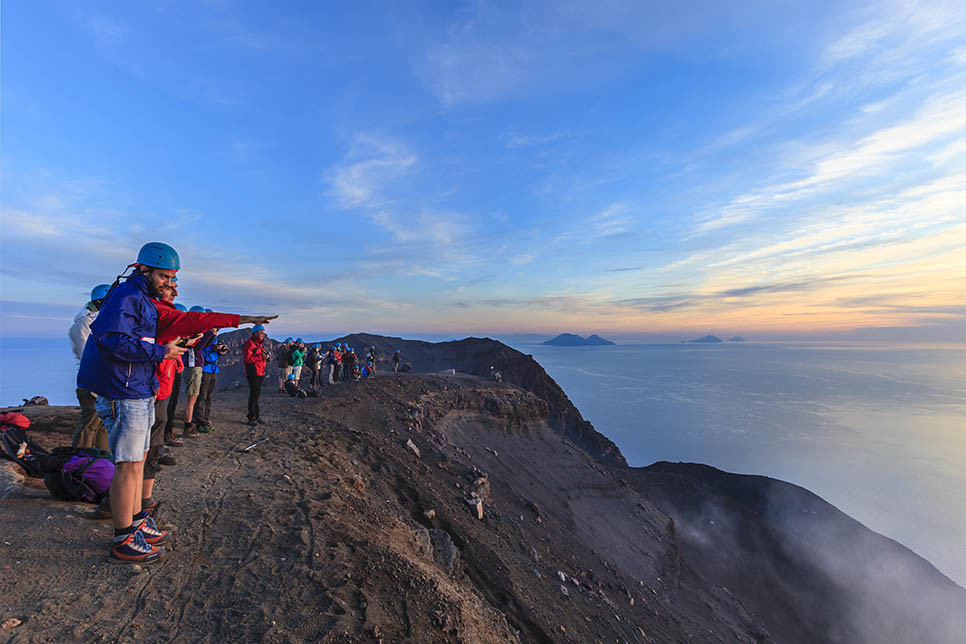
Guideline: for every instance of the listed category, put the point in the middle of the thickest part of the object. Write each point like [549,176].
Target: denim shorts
[128,424]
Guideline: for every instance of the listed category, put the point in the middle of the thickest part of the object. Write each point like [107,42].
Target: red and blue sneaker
[153,535]
[133,549]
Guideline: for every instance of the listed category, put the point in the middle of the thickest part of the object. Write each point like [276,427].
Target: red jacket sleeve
[173,324]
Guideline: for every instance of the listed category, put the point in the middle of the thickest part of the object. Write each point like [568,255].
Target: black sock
[120,533]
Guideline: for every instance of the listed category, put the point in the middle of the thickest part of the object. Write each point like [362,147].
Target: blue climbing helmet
[287,340]
[257,327]
[99,292]
[197,309]
[298,340]
[208,311]
[291,376]
[159,255]
[181,307]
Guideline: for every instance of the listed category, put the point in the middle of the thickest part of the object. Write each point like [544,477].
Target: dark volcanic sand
[336,531]
[319,534]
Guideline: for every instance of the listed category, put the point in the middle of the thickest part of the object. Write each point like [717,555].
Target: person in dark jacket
[209,378]
[292,387]
[284,362]
[328,366]
[194,363]
[314,362]
[347,364]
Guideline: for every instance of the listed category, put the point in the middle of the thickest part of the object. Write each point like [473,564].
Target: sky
[635,169]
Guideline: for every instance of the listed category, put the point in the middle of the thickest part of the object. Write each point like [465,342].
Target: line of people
[133,343]
[339,363]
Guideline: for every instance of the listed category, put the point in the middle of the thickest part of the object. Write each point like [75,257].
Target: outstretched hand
[255,319]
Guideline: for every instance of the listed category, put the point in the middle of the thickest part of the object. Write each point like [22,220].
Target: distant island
[706,339]
[571,340]
[736,338]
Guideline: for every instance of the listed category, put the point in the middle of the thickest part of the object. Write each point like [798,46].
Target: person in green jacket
[298,359]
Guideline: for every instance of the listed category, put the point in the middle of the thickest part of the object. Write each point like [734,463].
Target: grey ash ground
[336,530]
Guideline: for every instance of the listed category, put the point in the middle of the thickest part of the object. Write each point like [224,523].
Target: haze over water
[878,431]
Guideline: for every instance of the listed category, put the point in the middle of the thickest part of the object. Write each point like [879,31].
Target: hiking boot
[134,550]
[191,432]
[150,508]
[167,459]
[205,429]
[252,422]
[173,441]
[153,535]
[103,509]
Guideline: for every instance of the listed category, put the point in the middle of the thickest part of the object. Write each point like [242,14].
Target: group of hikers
[135,346]
[339,363]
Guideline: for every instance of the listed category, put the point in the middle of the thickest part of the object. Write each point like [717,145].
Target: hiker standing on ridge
[208,380]
[194,363]
[170,440]
[89,431]
[165,378]
[337,367]
[254,357]
[315,364]
[395,361]
[298,359]
[118,365]
[348,363]
[284,362]
[329,365]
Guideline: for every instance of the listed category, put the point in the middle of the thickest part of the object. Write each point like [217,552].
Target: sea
[878,430]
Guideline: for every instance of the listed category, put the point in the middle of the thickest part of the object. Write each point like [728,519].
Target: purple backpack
[86,476]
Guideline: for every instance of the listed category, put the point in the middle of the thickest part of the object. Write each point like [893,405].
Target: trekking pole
[255,444]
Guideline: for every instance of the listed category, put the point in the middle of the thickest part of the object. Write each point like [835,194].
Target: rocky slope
[358,521]
[480,357]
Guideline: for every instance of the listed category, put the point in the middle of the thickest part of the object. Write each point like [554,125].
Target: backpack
[79,474]
[17,446]
[14,419]
[36,400]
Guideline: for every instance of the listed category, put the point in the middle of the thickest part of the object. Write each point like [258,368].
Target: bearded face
[159,279]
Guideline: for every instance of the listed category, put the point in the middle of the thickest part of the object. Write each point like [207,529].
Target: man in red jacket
[255,356]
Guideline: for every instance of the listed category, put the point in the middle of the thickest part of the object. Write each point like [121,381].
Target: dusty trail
[334,530]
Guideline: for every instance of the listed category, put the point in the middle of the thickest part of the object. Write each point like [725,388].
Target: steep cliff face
[480,357]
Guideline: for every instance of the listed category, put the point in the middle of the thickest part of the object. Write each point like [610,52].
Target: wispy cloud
[523,141]
[613,220]
[370,173]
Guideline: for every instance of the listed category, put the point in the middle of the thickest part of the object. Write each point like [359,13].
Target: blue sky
[772,169]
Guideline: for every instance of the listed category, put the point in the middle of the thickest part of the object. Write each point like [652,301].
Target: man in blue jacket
[118,364]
